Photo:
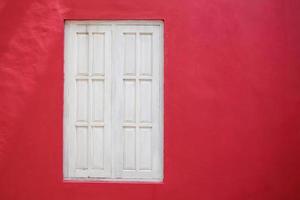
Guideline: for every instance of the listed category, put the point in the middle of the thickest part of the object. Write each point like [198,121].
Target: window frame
[67,52]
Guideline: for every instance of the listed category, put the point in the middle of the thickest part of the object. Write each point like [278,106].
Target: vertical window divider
[90,98]
[114,128]
[137,94]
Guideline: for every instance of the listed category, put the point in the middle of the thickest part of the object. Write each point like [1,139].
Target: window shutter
[138,104]
[88,99]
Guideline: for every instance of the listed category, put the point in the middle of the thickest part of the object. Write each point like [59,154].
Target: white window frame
[114,94]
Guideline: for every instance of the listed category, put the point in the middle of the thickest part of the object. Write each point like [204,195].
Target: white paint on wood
[82,100]
[98,150]
[129,101]
[81,148]
[129,157]
[146,53]
[146,101]
[82,53]
[98,53]
[98,100]
[129,53]
[145,149]
[113,108]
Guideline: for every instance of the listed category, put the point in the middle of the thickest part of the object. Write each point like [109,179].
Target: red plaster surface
[232,99]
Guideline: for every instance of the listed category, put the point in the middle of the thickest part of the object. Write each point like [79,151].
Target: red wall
[232,99]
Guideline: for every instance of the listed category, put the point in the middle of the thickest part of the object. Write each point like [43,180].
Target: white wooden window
[113,100]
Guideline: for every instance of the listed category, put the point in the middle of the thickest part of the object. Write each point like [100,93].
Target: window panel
[98,150]
[146,53]
[82,148]
[98,100]
[129,149]
[129,53]
[145,101]
[82,53]
[129,100]
[98,53]
[82,100]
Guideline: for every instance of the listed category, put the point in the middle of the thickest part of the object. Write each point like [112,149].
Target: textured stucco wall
[232,99]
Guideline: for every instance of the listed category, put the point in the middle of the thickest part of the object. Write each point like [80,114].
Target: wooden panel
[129,149]
[82,100]
[145,101]
[98,53]
[98,100]
[129,101]
[82,53]
[129,53]
[81,148]
[145,156]
[146,54]
[97,148]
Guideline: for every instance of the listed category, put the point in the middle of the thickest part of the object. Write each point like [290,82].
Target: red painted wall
[232,99]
